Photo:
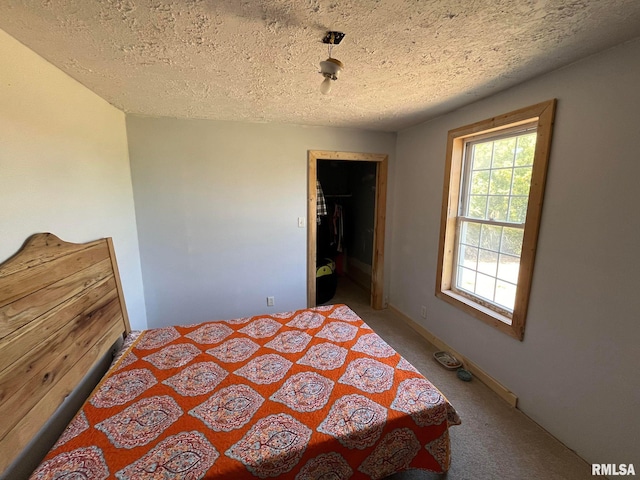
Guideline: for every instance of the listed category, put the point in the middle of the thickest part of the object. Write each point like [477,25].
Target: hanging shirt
[321,203]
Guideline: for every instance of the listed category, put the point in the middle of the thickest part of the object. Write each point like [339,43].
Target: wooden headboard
[61,310]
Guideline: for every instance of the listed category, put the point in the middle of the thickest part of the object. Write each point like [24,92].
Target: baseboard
[480,374]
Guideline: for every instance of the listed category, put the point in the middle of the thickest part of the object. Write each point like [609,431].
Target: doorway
[377,261]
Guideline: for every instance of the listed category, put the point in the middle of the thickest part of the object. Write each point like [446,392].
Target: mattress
[310,394]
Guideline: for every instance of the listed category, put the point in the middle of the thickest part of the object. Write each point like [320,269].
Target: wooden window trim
[543,115]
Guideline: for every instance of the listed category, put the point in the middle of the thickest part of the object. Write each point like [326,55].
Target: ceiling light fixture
[331,67]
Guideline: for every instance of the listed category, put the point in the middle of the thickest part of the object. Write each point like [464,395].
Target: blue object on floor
[464,375]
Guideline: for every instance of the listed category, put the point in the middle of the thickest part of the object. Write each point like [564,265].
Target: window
[493,191]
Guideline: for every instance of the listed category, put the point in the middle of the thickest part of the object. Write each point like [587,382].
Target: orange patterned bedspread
[300,395]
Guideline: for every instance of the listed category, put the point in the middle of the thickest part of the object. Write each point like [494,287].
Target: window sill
[488,316]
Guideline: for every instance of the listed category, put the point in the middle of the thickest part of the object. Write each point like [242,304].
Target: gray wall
[217,206]
[64,165]
[576,372]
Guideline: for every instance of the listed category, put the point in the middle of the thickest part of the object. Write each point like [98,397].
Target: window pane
[485,286]
[498,207]
[488,262]
[490,237]
[468,257]
[477,206]
[512,241]
[466,279]
[518,209]
[494,189]
[505,295]
[521,181]
[480,182]
[482,155]
[500,181]
[508,268]
[525,150]
[503,152]
[470,233]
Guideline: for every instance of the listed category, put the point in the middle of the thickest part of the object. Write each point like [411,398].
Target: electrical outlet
[270,301]
[423,311]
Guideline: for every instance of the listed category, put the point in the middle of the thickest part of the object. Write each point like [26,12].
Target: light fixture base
[333,38]
[331,68]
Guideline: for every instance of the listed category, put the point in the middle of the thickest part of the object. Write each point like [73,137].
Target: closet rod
[339,196]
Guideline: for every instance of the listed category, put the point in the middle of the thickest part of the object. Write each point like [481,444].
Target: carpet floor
[495,441]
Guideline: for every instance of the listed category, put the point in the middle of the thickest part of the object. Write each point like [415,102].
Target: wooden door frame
[377,267]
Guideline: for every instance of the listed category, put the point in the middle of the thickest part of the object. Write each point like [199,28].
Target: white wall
[576,372]
[64,165]
[217,206]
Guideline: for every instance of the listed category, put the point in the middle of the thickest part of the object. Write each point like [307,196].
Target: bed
[307,394]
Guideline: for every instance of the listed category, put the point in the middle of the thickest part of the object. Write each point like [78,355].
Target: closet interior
[346,222]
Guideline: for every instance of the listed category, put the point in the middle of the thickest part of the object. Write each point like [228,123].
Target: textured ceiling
[257,60]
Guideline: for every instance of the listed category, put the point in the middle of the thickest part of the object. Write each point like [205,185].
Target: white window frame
[540,117]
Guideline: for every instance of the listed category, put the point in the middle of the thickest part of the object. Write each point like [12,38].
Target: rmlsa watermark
[613,469]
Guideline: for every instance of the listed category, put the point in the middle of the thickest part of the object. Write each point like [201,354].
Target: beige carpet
[495,441]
